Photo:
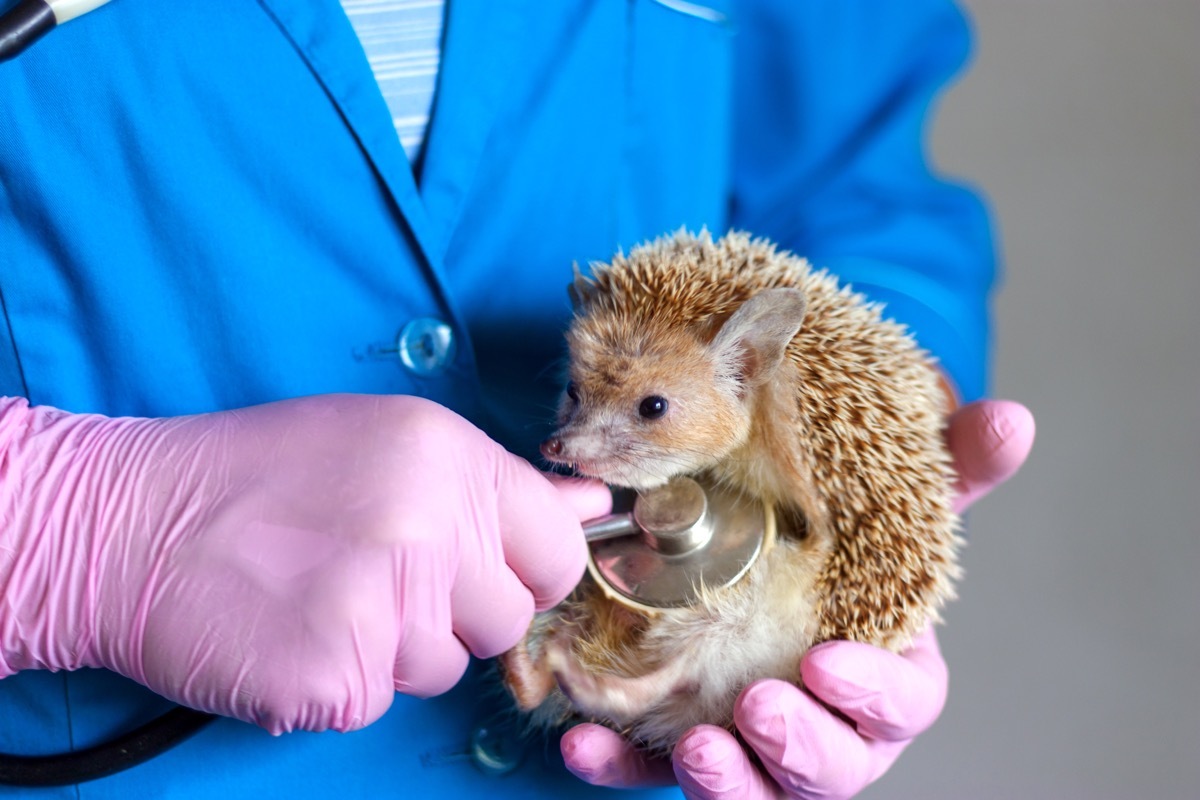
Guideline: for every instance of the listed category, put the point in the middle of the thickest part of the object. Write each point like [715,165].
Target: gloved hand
[808,750]
[291,565]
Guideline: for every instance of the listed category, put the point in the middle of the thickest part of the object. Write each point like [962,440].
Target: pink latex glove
[802,736]
[291,565]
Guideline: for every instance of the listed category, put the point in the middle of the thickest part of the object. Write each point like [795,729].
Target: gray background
[1074,648]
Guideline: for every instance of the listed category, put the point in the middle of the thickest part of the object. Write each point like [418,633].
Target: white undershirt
[403,43]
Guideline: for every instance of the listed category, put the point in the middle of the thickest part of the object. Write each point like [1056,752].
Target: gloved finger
[887,695]
[492,609]
[429,662]
[589,498]
[710,764]
[603,757]
[542,538]
[807,750]
[989,440]
[430,659]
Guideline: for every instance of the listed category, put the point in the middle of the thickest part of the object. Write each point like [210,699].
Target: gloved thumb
[590,499]
[989,440]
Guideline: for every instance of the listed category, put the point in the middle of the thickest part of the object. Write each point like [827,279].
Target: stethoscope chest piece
[681,540]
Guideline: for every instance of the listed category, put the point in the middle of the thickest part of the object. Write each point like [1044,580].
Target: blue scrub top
[201,211]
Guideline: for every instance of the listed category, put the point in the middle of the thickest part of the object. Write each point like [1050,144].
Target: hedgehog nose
[552,447]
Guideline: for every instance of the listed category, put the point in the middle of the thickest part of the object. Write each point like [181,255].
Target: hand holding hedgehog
[731,360]
[863,705]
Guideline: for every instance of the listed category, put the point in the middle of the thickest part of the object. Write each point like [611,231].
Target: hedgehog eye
[653,407]
[573,392]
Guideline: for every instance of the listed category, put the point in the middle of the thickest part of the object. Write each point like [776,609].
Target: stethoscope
[30,20]
[678,541]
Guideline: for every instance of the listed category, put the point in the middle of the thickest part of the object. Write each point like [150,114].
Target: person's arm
[833,102]
[292,565]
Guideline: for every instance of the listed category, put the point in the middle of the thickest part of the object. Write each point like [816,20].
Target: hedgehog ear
[751,344]
[580,290]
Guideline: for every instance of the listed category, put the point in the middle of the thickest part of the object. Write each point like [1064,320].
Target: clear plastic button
[497,748]
[426,345]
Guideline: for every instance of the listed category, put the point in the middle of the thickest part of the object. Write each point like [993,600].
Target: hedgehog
[738,362]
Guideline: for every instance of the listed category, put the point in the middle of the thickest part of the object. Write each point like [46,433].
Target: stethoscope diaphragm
[681,540]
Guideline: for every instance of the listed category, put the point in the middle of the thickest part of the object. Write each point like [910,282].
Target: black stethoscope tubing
[116,755]
[24,24]
[30,20]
